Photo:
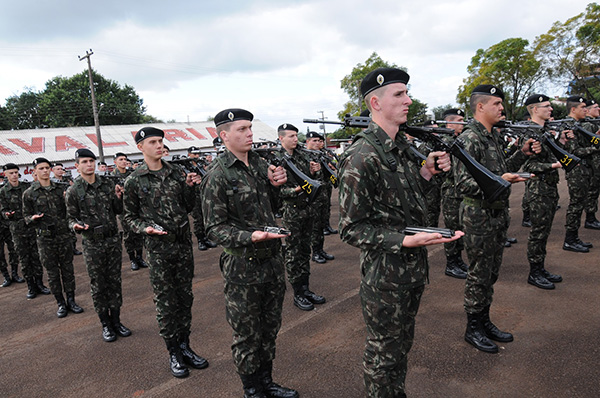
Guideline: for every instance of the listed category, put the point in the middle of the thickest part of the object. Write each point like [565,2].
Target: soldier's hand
[531,146]
[9,214]
[37,216]
[314,167]
[443,162]
[193,179]
[427,239]
[556,165]
[119,191]
[277,175]
[154,231]
[79,227]
[258,236]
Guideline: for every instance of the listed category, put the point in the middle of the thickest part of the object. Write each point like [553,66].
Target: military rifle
[576,126]
[323,160]
[190,165]
[446,233]
[117,179]
[349,121]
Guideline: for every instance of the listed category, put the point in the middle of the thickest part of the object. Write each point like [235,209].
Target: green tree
[438,111]
[23,111]
[570,52]
[510,65]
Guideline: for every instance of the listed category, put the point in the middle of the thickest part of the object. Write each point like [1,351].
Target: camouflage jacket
[302,162]
[94,204]
[540,164]
[11,199]
[487,148]
[581,145]
[47,200]
[372,213]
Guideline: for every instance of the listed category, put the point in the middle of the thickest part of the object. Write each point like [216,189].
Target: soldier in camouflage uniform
[579,179]
[157,200]
[92,205]
[455,266]
[238,197]
[13,259]
[542,197]
[65,181]
[381,193]
[23,236]
[591,207]
[433,193]
[44,210]
[298,220]
[485,223]
[134,243]
[203,242]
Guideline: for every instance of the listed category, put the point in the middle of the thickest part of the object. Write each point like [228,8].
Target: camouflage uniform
[485,223]
[318,208]
[591,205]
[97,205]
[53,234]
[254,273]
[163,198]
[451,201]
[374,202]
[6,238]
[133,242]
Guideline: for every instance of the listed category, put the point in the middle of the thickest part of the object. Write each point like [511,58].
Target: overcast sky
[282,60]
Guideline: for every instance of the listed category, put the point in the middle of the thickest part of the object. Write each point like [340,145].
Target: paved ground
[555,352]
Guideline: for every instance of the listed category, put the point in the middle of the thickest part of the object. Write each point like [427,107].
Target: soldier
[455,266]
[591,207]
[92,205]
[166,151]
[579,179]
[134,243]
[485,223]
[23,236]
[203,242]
[238,198]
[157,200]
[65,181]
[319,206]
[44,210]
[6,238]
[102,167]
[381,192]
[297,219]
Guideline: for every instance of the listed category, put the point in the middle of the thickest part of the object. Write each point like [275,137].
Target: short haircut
[530,108]
[223,127]
[283,133]
[452,118]
[377,92]
[477,99]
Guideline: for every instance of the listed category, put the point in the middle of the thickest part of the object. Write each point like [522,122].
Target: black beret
[232,115]
[576,98]
[488,89]
[119,154]
[381,77]
[590,102]
[287,126]
[84,153]
[102,164]
[37,161]
[193,149]
[217,141]
[314,134]
[10,166]
[365,113]
[536,99]
[166,147]
[429,123]
[57,164]
[453,112]
[148,132]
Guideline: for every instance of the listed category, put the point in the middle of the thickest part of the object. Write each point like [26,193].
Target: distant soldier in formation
[591,205]
[44,210]
[6,239]
[203,242]
[92,205]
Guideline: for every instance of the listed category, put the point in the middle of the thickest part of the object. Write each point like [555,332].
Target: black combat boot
[140,260]
[491,331]
[312,297]
[202,245]
[252,386]
[178,368]
[40,285]
[72,305]
[31,289]
[15,274]
[317,258]
[7,281]
[461,264]
[189,356]
[591,222]
[271,388]
[584,244]
[475,335]
[62,306]
[134,264]
[108,333]
[330,230]
[554,278]
[537,278]
[300,299]
[452,268]
[115,321]
[326,255]
[210,243]
[571,243]
[526,219]
[76,252]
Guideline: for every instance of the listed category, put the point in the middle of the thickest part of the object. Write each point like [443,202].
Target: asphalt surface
[555,352]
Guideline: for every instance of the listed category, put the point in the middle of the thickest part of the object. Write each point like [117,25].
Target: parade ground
[555,352]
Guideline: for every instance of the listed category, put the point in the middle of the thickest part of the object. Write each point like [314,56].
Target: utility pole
[94,107]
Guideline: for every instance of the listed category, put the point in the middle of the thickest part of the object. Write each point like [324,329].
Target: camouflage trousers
[103,264]
[485,235]
[327,209]
[433,196]
[133,242]
[542,200]
[591,204]
[26,248]
[298,221]
[56,254]
[578,181]
[525,201]
[198,223]
[171,273]
[450,211]
[318,209]
[390,319]
[254,313]
[13,258]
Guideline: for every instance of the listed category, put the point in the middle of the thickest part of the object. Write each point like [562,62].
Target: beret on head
[382,77]
[217,142]
[488,89]
[536,99]
[429,123]
[10,166]
[453,112]
[193,149]
[590,102]
[576,98]
[148,132]
[314,134]
[84,153]
[287,126]
[232,115]
[37,161]
[119,154]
